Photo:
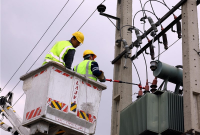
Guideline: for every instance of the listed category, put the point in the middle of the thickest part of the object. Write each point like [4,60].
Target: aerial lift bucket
[60,100]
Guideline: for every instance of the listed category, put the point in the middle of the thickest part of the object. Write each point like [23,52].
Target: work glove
[103,80]
[102,77]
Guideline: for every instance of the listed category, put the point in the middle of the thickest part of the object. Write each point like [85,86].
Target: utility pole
[191,67]
[122,93]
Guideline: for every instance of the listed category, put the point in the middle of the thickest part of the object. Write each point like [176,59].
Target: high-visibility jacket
[84,68]
[58,52]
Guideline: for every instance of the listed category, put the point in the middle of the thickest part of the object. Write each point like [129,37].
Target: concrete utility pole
[122,93]
[191,66]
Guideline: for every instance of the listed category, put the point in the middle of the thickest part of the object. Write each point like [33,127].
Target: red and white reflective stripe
[33,113]
[64,107]
[94,87]
[40,73]
[63,73]
[63,51]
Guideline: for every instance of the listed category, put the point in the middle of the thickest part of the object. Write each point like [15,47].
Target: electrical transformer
[153,115]
[157,113]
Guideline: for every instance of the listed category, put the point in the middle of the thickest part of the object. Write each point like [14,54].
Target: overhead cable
[137,72]
[121,30]
[36,44]
[51,41]
[142,11]
[142,8]
[145,62]
[18,99]
[90,16]
[152,7]
[168,47]
[155,1]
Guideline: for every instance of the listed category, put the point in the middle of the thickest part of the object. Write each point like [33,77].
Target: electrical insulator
[154,85]
[126,47]
[178,26]
[154,65]
[165,42]
[152,24]
[137,32]
[152,52]
[140,93]
[146,87]
[101,8]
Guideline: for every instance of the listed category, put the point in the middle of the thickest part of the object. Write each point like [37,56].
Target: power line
[36,44]
[89,17]
[145,62]
[18,99]
[137,72]
[168,47]
[52,40]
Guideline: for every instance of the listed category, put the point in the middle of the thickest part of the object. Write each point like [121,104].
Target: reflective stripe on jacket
[58,51]
[84,68]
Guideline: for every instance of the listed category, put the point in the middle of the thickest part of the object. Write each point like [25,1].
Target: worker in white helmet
[63,51]
[89,67]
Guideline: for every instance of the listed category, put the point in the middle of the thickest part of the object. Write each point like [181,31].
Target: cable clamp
[131,29]
[118,41]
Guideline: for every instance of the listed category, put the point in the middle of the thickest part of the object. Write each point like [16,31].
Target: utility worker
[89,67]
[63,51]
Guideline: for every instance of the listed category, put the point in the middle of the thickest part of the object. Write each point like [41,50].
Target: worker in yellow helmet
[89,67]
[63,51]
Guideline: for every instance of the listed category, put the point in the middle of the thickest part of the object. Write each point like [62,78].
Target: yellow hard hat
[86,52]
[79,36]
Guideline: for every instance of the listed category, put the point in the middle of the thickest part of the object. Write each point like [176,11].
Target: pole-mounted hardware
[154,65]
[150,29]
[127,51]
[197,52]
[153,25]
[102,8]
[157,36]
[164,37]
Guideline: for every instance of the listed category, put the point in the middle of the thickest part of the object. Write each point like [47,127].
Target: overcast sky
[24,22]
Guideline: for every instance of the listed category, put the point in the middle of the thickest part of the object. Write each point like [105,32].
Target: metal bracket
[112,17]
[197,52]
